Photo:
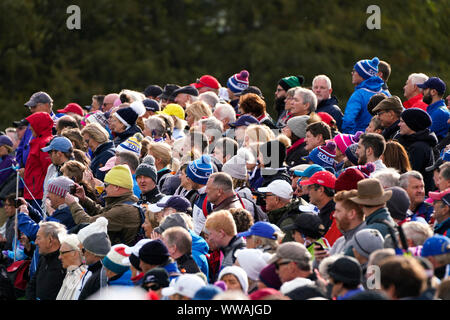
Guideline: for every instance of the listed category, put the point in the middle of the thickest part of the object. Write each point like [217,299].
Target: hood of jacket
[198,243]
[374,83]
[425,135]
[42,123]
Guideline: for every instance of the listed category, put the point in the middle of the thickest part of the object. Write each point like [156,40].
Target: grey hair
[210,98]
[418,78]
[225,110]
[212,124]
[222,180]
[53,229]
[322,77]
[418,232]
[388,177]
[444,170]
[404,178]
[377,256]
[155,123]
[308,97]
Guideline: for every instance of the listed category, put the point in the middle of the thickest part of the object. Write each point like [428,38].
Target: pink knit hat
[343,141]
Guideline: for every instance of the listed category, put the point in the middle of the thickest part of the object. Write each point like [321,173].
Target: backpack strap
[391,229]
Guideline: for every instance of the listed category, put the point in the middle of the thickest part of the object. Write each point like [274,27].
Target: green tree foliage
[131,44]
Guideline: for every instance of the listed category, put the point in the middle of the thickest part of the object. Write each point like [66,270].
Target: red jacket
[38,161]
[416,102]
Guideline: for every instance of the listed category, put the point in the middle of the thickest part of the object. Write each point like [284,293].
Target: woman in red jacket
[38,161]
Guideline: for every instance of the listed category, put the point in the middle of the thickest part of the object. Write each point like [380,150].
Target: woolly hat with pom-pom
[127,116]
[366,169]
[133,144]
[138,107]
[94,237]
[367,68]
[343,141]
[323,155]
[239,81]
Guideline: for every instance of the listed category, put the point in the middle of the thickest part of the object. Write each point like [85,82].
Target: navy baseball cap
[151,105]
[244,120]
[179,203]
[38,97]
[261,229]
[434,83]
[308,172]
[436,245]
[59,144]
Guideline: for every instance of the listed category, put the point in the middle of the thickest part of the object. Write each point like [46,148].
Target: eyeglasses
[64,252]
[106,184]
[277,265]
[379,113]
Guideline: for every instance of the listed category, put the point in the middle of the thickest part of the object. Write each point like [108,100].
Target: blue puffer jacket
[356,117]
[200,249]
[439,116]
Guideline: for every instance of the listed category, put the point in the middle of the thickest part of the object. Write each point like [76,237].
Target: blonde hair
[221,220]
[258,133]
[162,151]
[96,132]
[284,139]
[198,110]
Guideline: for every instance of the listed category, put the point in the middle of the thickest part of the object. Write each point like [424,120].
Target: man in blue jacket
[433,93]
[367,83]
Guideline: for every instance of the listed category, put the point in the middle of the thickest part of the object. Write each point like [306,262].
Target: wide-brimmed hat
[371,193]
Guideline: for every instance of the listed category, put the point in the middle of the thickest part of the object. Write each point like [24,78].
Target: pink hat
[343,141]
[109,164]
[117,102]
[438,195]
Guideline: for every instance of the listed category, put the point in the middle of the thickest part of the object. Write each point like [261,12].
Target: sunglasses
[277,265]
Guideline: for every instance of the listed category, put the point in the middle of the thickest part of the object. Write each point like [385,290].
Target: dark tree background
[131,44]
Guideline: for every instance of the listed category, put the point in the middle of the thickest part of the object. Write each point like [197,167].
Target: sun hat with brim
[371,193]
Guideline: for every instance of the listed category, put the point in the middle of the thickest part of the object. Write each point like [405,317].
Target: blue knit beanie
[199,170]
[238,82]
[367,68]
[324,155]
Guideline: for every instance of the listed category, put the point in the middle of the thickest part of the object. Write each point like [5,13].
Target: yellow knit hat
[120,175]
[174,109]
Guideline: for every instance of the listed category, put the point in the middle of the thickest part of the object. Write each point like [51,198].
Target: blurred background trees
[134,43]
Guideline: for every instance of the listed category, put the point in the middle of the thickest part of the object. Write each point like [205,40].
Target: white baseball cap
[280,188]
[185,285]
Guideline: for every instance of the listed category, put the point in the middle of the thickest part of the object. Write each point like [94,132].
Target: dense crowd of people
[196,192]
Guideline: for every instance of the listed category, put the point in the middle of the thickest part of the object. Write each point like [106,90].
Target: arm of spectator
[26,225]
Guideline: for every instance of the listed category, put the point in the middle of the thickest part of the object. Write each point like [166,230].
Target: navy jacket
[331,107]
[100,156]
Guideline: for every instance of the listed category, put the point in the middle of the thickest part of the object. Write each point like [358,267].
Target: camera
[73,190]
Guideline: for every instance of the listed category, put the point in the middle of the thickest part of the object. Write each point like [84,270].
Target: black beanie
[154,253]
[416,119]
[127,116]
[146,170]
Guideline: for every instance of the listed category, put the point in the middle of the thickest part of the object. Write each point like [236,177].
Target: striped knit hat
[238,82]
[115,259]
[324,155]
[199,170]
[131,144]
[367,68]
[60,186]
[343,141]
